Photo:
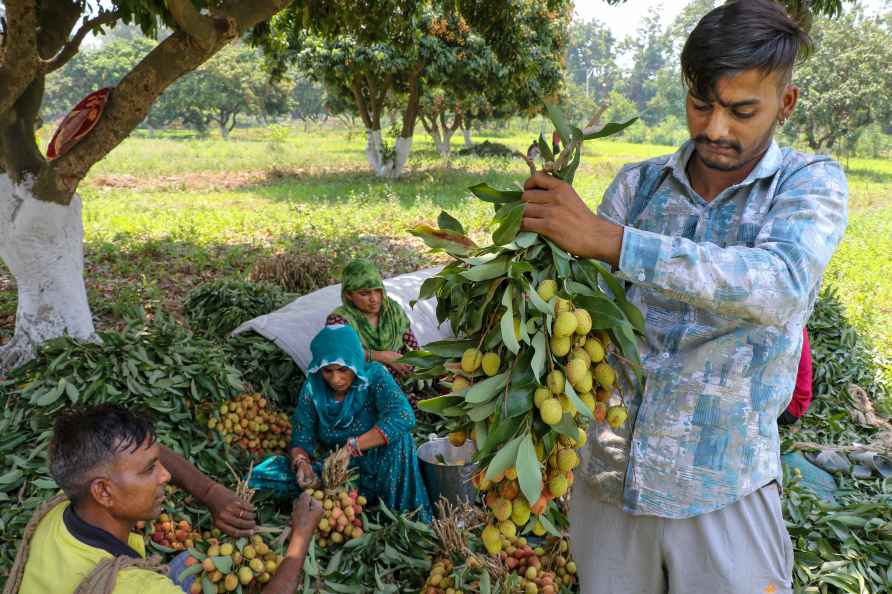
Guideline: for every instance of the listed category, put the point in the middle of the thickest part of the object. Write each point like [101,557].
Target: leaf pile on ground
[845,546]
[216,308]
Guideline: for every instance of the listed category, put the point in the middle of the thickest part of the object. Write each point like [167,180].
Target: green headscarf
[392,320]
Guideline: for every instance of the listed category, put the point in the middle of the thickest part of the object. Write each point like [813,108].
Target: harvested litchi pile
[250,422]
[165,532]
[224,566]
[342,517]
[342,505]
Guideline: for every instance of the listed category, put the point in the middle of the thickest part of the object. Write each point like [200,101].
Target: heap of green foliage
[841,356]
[845,546]
[176,376]
[216,308]
[265,367]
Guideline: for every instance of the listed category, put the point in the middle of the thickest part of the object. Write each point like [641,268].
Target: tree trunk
[42,244]
[467,134]
[385,164]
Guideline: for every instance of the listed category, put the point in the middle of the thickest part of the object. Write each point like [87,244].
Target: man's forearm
[184,475]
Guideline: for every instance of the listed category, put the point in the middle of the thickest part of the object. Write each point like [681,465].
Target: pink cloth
[802,393]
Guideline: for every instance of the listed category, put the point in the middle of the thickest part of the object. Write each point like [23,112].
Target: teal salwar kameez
[321,424]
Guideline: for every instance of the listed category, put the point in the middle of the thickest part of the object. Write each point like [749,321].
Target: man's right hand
[305,516]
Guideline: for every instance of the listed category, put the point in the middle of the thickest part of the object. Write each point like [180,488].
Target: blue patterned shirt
[726,287]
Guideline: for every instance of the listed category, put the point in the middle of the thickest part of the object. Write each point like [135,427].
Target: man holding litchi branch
[722,245]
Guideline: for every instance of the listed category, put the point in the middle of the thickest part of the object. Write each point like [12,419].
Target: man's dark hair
[741,35]
[86,438]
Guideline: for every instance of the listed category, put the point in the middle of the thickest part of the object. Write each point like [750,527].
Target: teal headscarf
[337,345]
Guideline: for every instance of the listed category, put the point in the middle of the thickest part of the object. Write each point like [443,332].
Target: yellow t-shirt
[58,562]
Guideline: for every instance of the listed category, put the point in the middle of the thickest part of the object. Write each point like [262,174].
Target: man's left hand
[232,514]
[555,210]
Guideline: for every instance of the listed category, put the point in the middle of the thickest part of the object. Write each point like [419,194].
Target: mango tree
[388,55]
[41,231]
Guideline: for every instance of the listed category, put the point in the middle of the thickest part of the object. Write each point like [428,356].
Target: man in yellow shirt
[109,464]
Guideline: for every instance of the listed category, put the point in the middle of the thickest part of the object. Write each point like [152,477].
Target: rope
[104,576]
[14,579]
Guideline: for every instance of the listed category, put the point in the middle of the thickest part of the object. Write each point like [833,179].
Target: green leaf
[604,312]
[525,239]
[481,433]
[609,130]
[487,389]
[223,563]
[440,403]
[581,406]
[544,149]
[207,586]
[485,586]
[561,259]
[421,359]
[520,397]
[537,301]
[567,427]
[504,459]
[72,392]
[560,122]
[194,570]
[483,411]
[575,288]
[488,271]
[429,288]
[529,475]
[539,353]
[449,348]
[51,395]
[507,322]
[633,314]
[10,477]
[447,221]
[510,218]
[502,430]
[549,526]
[489,194]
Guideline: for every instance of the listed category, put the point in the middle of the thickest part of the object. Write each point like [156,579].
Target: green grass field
[164,214]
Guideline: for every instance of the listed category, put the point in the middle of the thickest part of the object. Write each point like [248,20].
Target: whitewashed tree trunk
[467,134]
[42,245]
[437,137]
[448,133]
[389,166]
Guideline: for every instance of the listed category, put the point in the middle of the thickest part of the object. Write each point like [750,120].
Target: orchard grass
[163,213]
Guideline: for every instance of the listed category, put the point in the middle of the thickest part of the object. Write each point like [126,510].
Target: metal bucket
[447,470]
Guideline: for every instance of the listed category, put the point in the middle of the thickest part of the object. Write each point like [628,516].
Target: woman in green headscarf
[382,325]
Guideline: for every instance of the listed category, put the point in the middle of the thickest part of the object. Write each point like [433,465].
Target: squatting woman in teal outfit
[349,402]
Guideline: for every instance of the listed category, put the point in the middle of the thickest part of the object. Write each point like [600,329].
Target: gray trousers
[740,549]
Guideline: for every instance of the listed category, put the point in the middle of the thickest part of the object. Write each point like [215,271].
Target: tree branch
[361,106]
[411,113]
[202,29]
[130,101]
[71,48]
[18,57]
[57,19]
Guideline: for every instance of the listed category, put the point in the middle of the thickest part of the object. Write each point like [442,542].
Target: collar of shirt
[94,536]
[768,165]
